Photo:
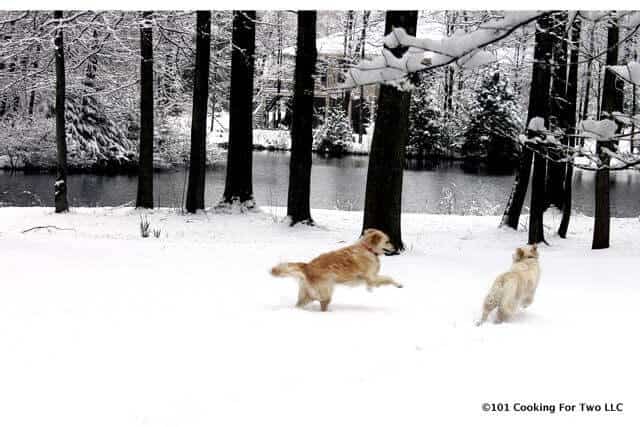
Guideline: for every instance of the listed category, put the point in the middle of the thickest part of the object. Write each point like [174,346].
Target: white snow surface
[99,327]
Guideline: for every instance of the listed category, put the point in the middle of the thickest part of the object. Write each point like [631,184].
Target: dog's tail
[293,269]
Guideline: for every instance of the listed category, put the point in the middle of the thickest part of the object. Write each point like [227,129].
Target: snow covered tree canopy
[584,155]
[461,48]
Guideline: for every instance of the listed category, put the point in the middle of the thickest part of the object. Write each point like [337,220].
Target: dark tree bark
[197,163]
[571,117]
[611,102]
[511,216]
[238,185]
[32,94]
[539,107]
[298,208]
[559,104]
[3,96]
[60,186]
[92,65]
[348,35]
[145,171]
[383,198]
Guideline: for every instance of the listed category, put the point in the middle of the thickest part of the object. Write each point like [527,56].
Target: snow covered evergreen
[495,124]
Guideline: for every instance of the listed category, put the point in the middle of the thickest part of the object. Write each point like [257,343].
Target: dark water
[335,184]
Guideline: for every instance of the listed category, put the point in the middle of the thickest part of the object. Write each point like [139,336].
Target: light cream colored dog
[352,265]
[514,288]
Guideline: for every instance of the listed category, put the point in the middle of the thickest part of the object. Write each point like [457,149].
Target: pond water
[335,184]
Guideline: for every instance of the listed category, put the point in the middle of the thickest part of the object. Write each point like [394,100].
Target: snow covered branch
[581,155]
[462,48]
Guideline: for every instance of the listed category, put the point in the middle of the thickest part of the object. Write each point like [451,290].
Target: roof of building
[333,45]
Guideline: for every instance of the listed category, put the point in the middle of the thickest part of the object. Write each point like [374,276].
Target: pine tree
[335,133]
[426,138]
[494,126]
[94,139]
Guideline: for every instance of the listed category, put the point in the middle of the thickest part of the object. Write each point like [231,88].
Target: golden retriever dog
[514,288]
[351,265]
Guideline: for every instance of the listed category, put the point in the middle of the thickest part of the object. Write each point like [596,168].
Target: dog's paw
[398,285]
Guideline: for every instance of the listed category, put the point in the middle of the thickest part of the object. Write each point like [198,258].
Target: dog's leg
[324,305]
[530,293]
[487,308]
[325,292]
[303,297]
[506,309]
[381,280]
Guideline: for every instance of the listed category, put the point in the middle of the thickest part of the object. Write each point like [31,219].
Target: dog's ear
[368,231]
[374,238]
[519,254]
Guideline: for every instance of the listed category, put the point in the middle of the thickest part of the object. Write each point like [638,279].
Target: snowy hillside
[99,327]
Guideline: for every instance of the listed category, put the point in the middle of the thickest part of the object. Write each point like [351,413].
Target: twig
[47,226]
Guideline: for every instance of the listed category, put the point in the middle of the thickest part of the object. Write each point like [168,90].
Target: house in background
[275,90]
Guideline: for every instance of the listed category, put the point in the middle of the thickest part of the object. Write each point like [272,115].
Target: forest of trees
[120,78]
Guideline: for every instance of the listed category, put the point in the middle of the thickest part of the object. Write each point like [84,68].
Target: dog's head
[525,252]
[378,241]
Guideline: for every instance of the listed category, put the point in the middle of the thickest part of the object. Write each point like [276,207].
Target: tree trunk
[32,94]
[610,102]
[145,169]
[538,107]
[238,185]
[511,216]
[383,198]
[298,208]
[363,43]
[348,36]
[571,117]
[278,114]
[558,119]
[587,90]
[60,187]
[197,163]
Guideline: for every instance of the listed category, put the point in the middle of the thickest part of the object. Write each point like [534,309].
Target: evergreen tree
[335,133]
[494,126]
[426,138]
[94,138]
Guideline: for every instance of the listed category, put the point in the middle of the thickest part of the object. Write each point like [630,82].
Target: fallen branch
[47,226]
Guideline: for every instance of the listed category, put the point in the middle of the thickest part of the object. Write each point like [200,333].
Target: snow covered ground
[99,327]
